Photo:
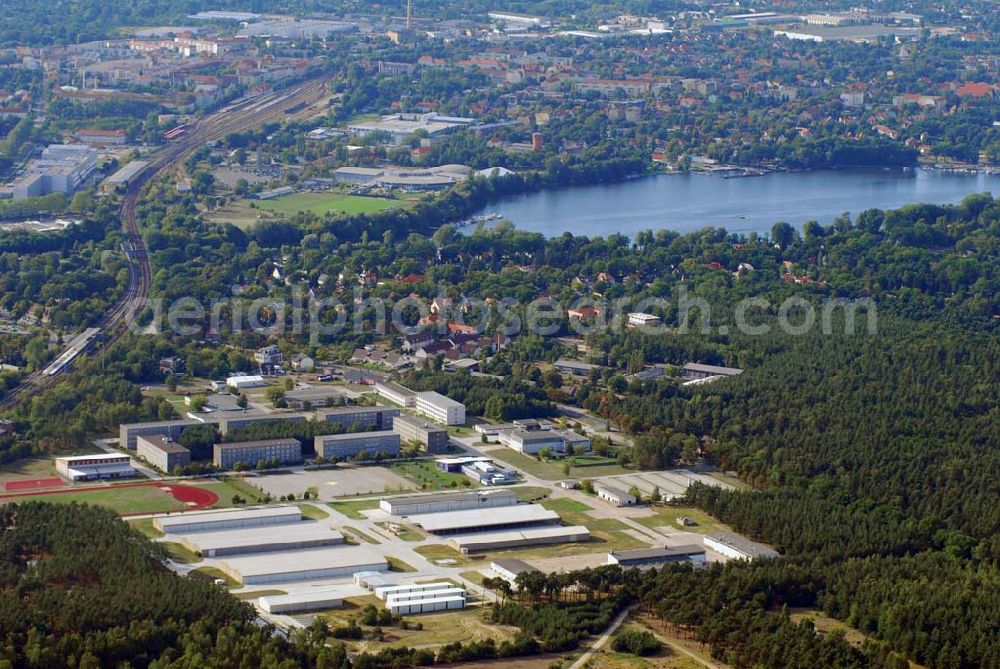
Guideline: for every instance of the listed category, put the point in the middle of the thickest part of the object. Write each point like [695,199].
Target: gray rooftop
[743,545]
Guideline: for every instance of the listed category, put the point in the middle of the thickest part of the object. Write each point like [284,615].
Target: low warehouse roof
[475,518]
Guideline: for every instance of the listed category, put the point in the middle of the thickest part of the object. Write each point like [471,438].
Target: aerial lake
[686,202]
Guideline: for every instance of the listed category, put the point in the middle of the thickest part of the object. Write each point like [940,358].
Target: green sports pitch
[324,203]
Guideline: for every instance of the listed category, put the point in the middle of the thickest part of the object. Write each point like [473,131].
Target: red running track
[35,484]
[195,498]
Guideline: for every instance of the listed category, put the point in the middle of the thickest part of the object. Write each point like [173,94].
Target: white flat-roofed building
[614,495]
[92,467]
[264,539]
[207,521]
[450,590]
[386,591]
[370,580]
[402,126]
[353,444]
[303,565]
[62,168]
[427,605]
[648,558]
[396,393]
[439,503]
[532,442]
[637,319]
[440,408]
[518,538]
[319,599]
[477,520]
[285,451]
[244,381]
[738,547]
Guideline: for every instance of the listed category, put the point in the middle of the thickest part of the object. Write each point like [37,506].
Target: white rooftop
[526,533]
[260,536]
[291,513]
[473,518]
[311,596]
[312,559]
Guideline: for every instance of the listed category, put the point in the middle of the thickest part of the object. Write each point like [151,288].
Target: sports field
[323,203]
[128,499]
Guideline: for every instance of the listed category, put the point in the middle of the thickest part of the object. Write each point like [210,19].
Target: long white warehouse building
[304,565]
[509,517]
[262,539]
[457,501]
[313,600]
[206,521]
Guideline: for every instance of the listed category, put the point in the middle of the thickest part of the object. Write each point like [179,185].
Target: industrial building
[433,438]
[126,175]
[479,542]
[303,565]
[315,600]
[62,168]
[356,419]
[245,381]
[285,451]
[440,408]
[127,433]
[474,520]
[428,605]
[446,590]
[346,446]
[485,472]
[162,452]
[371,580]
[647,558]
[313,397]
[396,393]
[738,547]
[92,467]
[695,370]
[575,367]
[509,569]
[533,441]
[613,495]
[384,592]
[357,175]
[212,521]
[459,501]
[403,126]
[263,539]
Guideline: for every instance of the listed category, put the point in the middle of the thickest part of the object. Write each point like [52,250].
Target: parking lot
[330,484]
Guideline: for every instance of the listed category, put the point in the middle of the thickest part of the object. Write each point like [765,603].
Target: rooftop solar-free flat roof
[475,518]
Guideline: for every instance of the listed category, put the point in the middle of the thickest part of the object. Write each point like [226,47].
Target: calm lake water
[691,202]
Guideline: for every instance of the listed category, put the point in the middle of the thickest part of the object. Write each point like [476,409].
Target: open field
[121,499]
[435,552]
[666,516]
[439,629]
[428,477]
[528,493]
[353,509]
[325,203]
[145,526]
[552,470]
[395,564]
[313,512]
[229,486]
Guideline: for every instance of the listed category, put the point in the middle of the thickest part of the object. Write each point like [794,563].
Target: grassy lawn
[552,470]
[528,493]
[353,509]
[395,564]
[179,553]
[313,512]
[135,499]
[435,552]
[474,576]
[668,515]
[439,629]
[229,486]
[428,477]
[210,574]
[145,526]
[570,510]
[258,593]
[408,533]
[323,203]
[358,534]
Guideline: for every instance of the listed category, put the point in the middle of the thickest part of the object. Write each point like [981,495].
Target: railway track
[116,322]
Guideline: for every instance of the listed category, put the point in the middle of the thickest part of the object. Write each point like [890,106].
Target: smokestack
[409,14]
